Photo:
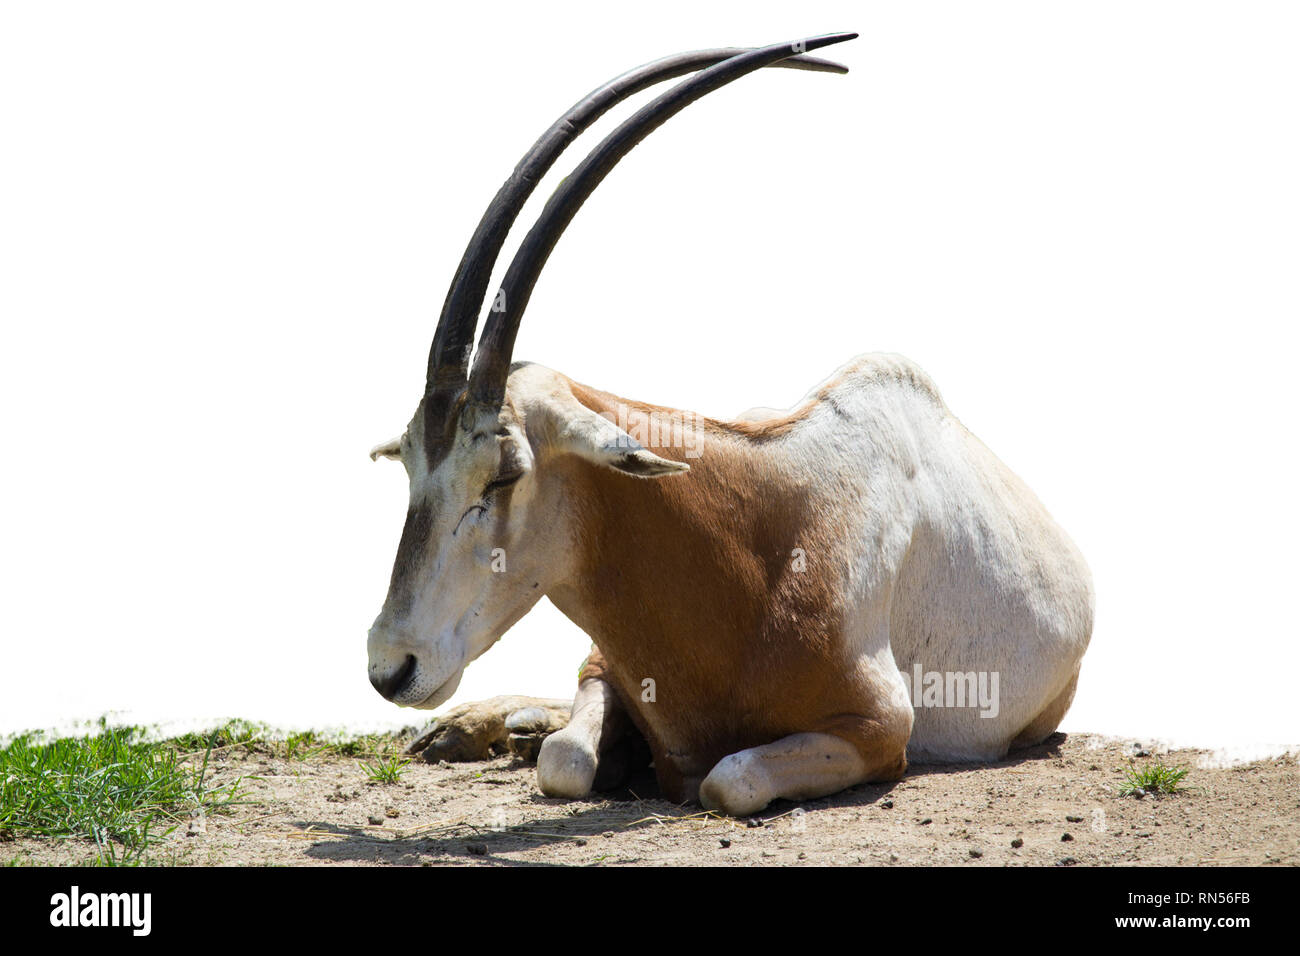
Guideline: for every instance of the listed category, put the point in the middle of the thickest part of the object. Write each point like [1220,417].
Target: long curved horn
[487,382]
[449,354]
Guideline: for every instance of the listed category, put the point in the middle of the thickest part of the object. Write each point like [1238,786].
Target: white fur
[951,561]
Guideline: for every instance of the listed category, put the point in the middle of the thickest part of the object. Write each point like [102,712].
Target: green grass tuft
[233,733]
[297,745]
[114,788]
[1152,778]
[386,769]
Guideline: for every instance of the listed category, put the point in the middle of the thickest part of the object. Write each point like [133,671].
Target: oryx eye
[502,481]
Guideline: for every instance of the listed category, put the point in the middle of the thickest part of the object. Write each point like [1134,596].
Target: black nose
[395,683]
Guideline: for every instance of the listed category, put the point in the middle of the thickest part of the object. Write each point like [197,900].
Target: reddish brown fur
[688,578]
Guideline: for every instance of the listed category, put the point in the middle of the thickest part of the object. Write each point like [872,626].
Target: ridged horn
[487,381]
[450,352]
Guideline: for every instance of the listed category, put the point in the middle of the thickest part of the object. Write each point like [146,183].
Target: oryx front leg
[798,767]
[569,758]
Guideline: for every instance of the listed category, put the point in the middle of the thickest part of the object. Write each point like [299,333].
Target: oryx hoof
[566,766]
[526,746]
[736,786]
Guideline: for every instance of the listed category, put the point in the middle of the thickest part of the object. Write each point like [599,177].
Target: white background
[226,230]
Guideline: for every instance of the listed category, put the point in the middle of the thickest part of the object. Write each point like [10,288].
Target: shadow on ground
[587,822]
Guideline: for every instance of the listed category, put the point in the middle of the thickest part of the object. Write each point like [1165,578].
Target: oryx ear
[582,432]
[389,449]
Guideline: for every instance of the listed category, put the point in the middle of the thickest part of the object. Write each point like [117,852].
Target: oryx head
[486,525]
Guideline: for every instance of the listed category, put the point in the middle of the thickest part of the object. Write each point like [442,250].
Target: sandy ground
[1054,805]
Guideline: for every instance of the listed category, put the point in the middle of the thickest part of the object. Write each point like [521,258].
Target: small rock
[1066,838]
[1017,843]
[375,821]
[753,823]
[1072,819]
[886,804]
[477,849]
[392,813]
[580,842]
[608,834]
[976,854]
[803,856]
[926,822]
[724,842]
[1139,794]
[1066,861]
